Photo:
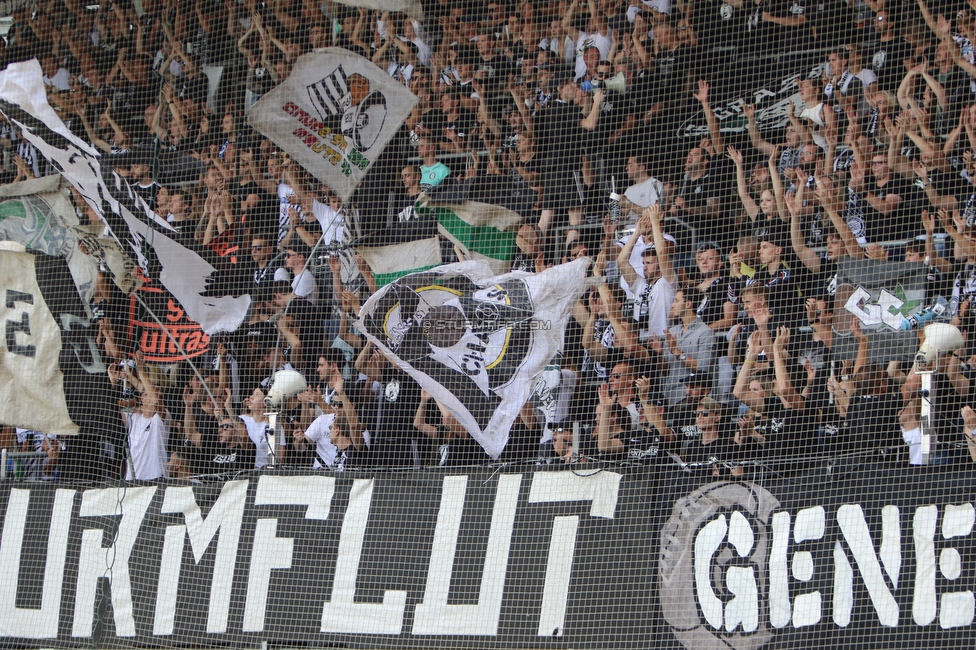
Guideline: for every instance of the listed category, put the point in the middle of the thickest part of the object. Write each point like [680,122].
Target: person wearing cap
[715,443]
[681,416]
[687,347]
[654,289]
[784,283]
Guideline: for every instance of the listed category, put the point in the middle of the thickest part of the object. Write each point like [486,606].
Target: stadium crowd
[712,340]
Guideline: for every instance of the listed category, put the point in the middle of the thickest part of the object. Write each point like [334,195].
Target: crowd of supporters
[712,340]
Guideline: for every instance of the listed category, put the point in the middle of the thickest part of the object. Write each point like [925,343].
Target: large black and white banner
[473,340]
[334,115]
[52,378]
[603,558]
[193,281]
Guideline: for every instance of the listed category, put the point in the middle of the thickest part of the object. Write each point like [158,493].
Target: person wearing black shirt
[714,445]
[891,53]
[712,285]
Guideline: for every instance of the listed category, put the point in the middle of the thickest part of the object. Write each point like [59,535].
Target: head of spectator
[486,44]
[771,252]
[886,103]
[296,256]
[811,91]
[665,36]
[682,307]
[262,249]
[884,24]
[854,63]
[318,35]
[427,150]
[837,60]
[871,379]
[410,176]
[708,417]
[591,57]
[809,155]
[708,258]
[450,102]
[330,364]
[636,169]
[915,251]
[180,205]
[621,380]
[879,168]
[755,301]
[696,164]
[420,82]
[697,386]
[836,248]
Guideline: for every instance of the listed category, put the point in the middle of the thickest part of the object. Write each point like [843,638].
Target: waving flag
[473,340]
[183,272]
[334,115]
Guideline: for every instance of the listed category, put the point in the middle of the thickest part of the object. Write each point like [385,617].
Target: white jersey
[257,432]
[147,446]
[320,432]
[652,302]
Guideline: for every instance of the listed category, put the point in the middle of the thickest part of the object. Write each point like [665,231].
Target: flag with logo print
[334,115]
[888,300]
[202,291]
[474,340]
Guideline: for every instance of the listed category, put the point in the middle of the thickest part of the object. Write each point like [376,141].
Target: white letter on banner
[96,561]
[858,537]
[779,578]
[810,525]
[923,601]
[601,490]
[741,581]
[955,608]
[273,552]
[226,515]
[868,314]
[25,622]
[342,615]
[707,541]
[434,615]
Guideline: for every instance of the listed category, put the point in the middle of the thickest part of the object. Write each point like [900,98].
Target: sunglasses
[704,413]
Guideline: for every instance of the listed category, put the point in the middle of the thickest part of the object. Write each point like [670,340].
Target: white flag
[413,8]
[183,272]
[334,115]
[475,341]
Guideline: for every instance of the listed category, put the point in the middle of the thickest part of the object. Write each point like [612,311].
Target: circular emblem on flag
[392,390]
[370,118]
[736,511]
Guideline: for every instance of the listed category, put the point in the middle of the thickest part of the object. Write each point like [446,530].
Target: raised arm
[661,245]
[749,203]
[714,132]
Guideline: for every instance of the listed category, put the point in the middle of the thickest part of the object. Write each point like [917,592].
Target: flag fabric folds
[397,260]
[474,340]
[334,115]
[184,273]
[52,378]
[482,232]
[887,299]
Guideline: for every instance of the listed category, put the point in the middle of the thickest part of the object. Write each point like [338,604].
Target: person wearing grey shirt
[687,346]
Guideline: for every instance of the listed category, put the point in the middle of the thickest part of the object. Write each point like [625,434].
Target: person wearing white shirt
[644,192]
[256,424]
[654,292]
[148,432]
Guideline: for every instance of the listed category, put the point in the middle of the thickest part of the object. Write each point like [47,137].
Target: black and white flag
[473,340]
[189,277]
[334,115]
